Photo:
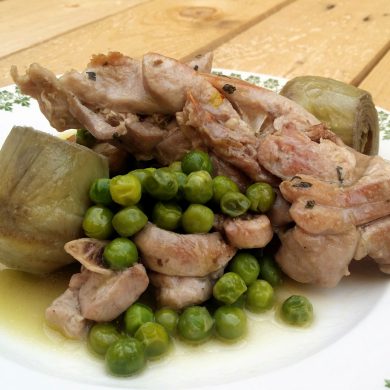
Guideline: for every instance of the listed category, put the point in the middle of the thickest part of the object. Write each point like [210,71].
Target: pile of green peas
[182,197]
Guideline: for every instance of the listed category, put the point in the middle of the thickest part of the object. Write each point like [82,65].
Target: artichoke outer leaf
[43,198]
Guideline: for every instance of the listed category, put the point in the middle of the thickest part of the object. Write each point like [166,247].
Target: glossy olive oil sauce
[24,298]
[268,345]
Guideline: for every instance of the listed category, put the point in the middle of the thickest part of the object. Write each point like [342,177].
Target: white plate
[345,348]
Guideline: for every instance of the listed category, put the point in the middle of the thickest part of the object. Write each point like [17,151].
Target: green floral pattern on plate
[11,96]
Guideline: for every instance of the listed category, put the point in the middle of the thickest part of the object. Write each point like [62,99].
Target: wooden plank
[171,27]
[378,82]
[334,38]
[26,23]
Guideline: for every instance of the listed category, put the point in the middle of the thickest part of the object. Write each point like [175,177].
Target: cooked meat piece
[317,259]
[117,158]
[202,62]
[319,132]
[225,169]
[291,152]
[42,85]
[167,80]
[64,313]
[182,254]
[96,293]
[248,232]
[178,292]
[104,297]
[89,252]
[256,103]
[126,131]
[141,137]
[170,81]
[372,185]
[331,210]
[326,208]
[238,148]
[96,296]
[375,243]
[279,214]
[95,122]
[173,147]
[310,187]
[318,219]
[112,81]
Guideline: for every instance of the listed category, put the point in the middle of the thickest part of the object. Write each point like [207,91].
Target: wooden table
[345,39]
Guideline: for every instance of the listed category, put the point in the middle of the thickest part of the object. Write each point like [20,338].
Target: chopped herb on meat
[302,184]
[310,204]
[229,88]
[91,75]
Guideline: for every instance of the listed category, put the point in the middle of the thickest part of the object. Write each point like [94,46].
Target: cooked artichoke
[347,110]
[43,197]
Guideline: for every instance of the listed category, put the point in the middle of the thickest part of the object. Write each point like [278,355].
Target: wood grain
[171,27]
[333,38]
[25,23]
[378,82]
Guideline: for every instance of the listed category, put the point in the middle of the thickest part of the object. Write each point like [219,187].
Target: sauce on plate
[24,298]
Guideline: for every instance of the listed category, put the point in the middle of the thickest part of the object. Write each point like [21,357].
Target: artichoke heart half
[43,197]
[348,111]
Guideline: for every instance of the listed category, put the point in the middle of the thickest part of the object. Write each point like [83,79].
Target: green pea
[195,324]
[85,138]
[136,315]
[260,296]
[97,222]
[101,336]
[162,184]
[229,288]
[125,189]
[167,215]
[99,192]
[261,196]
[240,302]
[297,310]
[120,253]
[196,160]
[175,166]
[181,180]
[125,357]
[168,318]
[129,221]
[230,322]
[234,204]
[222,185]
[245,265]
[270,271]
[142,174]
[154,339]
[198,187]
[197,219]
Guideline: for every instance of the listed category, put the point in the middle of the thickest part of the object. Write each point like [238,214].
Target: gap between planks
[371,65]
[245,26]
